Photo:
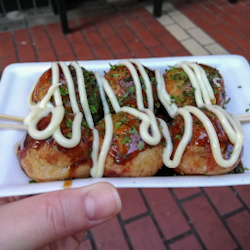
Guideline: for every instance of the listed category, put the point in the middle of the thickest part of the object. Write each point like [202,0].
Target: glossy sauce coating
[181,90]
[121,81]
[129,155]
[198,151]
[126,143]
[77,155]
[67,184]
[92,91]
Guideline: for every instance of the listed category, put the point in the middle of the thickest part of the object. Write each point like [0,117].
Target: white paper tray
[18,79]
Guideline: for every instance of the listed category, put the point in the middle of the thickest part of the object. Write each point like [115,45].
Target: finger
[11,199]
[70,242]
[39,220]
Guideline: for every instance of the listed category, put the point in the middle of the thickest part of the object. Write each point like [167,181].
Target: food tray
[17,80]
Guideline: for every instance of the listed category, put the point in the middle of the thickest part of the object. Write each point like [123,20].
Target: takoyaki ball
[181,90]
[198,157]
[46,160]
[91,86]
[122,83]
[128,154]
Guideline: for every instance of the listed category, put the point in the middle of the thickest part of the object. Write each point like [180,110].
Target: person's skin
[56,220]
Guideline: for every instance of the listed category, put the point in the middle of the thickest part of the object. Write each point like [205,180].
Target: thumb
[39,220]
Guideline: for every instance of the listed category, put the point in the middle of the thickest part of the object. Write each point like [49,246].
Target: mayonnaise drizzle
[215,81]
[57,116]
[55,80]
[203,94]
[163,96]
[75,136]
[150,120]
[70,84]
[58,111]
[135,76]
[97,169]
[213,138]
[203,91]
[188,130]
[147,83]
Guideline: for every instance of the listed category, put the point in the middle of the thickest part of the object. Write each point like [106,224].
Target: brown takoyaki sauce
[92,91]
[200,137]
[79,154]
[122,83]
[179,86]
[199,146]
[126,143]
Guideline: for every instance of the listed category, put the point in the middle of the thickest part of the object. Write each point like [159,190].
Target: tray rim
[129,182]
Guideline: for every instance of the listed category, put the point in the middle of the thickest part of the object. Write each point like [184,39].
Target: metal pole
[63,15]
[157,8]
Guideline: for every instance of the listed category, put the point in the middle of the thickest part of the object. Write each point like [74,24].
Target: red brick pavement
[228,24]
[197,218]
[127,34]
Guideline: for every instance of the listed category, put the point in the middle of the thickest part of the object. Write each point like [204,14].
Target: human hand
[56,220]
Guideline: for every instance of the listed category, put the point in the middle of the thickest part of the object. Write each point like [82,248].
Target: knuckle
[56,214]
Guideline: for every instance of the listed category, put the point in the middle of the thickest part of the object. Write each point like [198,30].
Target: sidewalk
[190,219]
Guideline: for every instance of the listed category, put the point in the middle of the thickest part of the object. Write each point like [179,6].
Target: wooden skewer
[11,117]
[244,118]
[13,126]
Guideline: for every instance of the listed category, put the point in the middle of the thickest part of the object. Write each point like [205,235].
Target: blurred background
[190,218]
